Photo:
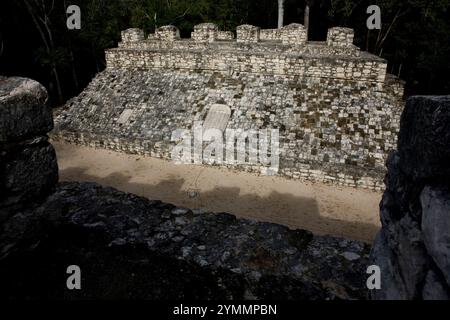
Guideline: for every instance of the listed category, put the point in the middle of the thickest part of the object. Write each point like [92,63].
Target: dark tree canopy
[34,40]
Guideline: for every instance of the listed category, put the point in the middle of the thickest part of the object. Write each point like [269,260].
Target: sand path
[320,208]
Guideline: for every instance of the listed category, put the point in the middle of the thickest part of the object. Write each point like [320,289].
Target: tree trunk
[280,14]
[48,42]
[306,20]
[72,61]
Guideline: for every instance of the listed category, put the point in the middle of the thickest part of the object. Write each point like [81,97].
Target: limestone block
[23,109]
[113,232]
[433,288]
[217,117]
[248,33]
[167,33]
[293,34]
[347,120]
[435,203]
[340,37]
[205,32]
[415,210]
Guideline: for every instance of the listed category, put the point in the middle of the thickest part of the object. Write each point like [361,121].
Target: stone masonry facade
[160,251]
[336,108]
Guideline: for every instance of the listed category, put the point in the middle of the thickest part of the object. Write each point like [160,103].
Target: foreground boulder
[413,247]
[24,112]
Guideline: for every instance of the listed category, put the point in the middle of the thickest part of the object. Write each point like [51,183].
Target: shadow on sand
[292,211]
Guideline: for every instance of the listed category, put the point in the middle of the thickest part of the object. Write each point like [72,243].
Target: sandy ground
[320,208]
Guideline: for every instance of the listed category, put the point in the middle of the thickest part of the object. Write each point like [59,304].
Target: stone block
[269,34]
[132,35]
[23,109]
[293,34]
[248,33]
[340,37]
[225,35]
[168,249]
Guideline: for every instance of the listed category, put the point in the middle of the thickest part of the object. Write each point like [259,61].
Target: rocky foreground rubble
[131,247]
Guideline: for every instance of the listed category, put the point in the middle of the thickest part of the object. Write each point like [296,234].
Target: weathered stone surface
[27,171]
[412,248]
[155,250]
[225,35]
[132,35]
[340,37]
[424,142]
[23,109]
[167,33]
[205,32]
[434,289]
[436,226]
[247,33]
[392,285]
[336,109]
[342,141]
[269,34]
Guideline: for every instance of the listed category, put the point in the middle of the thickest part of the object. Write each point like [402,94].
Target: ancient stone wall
[335,107]
[340,37]
[293,34]
[287,55]
[247,33]
[225,35]
[413,247]
[205,32]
